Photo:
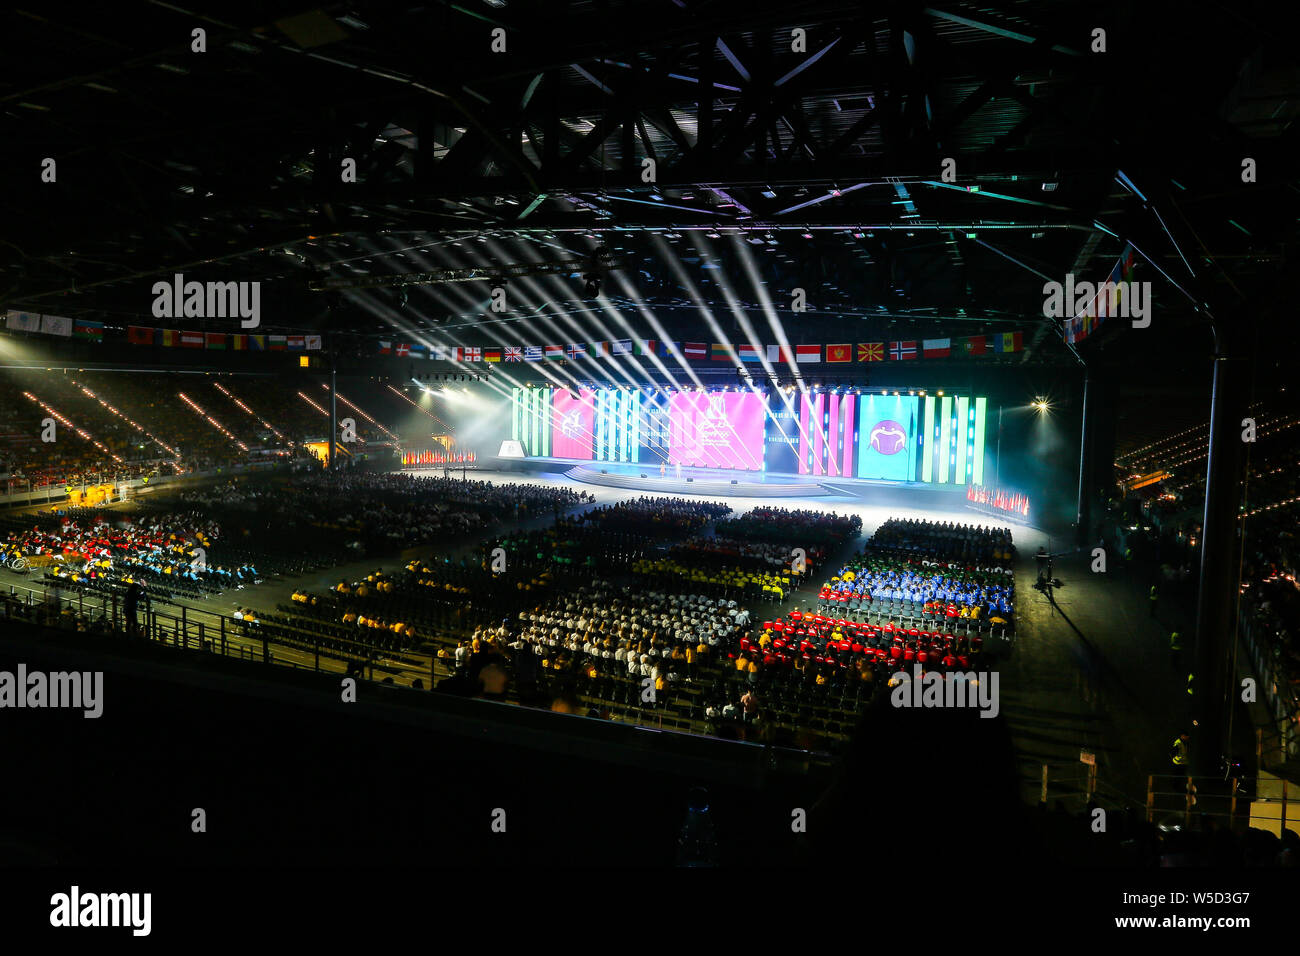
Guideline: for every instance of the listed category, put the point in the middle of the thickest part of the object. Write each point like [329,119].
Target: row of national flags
[16,321]
[836,353]
[1079,327]
[221,341]
[59,325]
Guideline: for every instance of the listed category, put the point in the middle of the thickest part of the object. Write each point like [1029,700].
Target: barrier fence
[178,625]
[1281,740]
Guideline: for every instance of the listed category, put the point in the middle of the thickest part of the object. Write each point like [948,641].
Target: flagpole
[997,461]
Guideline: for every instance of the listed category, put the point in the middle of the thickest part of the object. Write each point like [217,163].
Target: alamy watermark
[208,300]
[976,690]
[76,690]
[74,908]
[1129,300]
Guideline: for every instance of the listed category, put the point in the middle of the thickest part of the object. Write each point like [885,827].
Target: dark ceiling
[775,168]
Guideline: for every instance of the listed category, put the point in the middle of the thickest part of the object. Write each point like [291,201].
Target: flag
[780,353]
[403,350]
[313,343]
[973,345]
[82,329]
[492,355]
[532,353]
[296,342]
[901,351]
[385,348]
[191,340]
[56,325]
[554,352]
[695,350]
[514,353]
[276,343]
[23,321]
[620,347]
[239,343]
[720,353]
[441,353]
[936,348]
[577,350]
[170,338]
[474,353]
[1127,263]
[748,353]
[672,347]
[1008,342]
[140,334]
[807,353]
[839,353]
[214,340]
[257,343]
[871,351]
[645,346]
[415,351]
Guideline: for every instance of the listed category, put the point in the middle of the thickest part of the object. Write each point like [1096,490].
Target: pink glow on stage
[720,430]
[572,424]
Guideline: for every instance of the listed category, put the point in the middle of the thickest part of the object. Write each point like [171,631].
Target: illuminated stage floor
[725,481]
[874,502]
[693,481]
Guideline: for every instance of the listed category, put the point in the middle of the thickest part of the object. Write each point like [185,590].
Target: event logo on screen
[888,437]
[888,449]
[716,431]
[572,421]
[571,426]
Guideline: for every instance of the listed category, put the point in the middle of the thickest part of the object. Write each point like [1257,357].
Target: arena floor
[1088,671]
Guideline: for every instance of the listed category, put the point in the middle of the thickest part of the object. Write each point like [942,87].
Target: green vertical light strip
[530,423]
[514,413]
[546,421]
[977,472]
[600,423]
[927,466]
[537,421]
[945,439]
[962,427]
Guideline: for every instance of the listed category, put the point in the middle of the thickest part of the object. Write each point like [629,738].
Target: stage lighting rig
[601,260]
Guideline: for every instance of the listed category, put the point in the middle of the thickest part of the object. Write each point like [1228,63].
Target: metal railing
[181,626]
[1080,784]
[1188,799]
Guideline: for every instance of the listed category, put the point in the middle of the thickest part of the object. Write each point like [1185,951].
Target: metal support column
[334,415]
[1220,560]
[1081,515]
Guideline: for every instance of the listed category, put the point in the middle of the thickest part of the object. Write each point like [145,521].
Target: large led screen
[887,440]
[572,422]
[716,430]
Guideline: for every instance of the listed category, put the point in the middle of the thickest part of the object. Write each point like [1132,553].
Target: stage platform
[723,482]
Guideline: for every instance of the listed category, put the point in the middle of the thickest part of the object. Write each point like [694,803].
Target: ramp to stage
[697,481]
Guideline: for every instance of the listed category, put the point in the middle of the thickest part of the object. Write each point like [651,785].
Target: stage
[732,482]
